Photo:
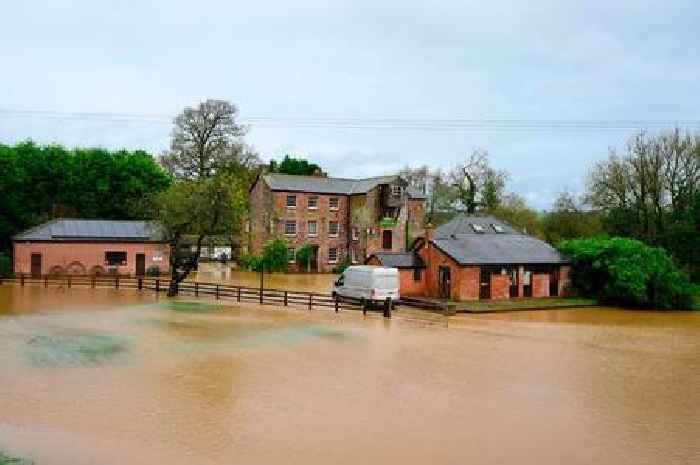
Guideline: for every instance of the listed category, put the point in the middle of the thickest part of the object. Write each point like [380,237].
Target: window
[498,228]
[291,254]
[313,203]
[333,228]
[333,254]
[333,203]
[291,201]
[396,191]
[290,228]
[115,258]
[355,234]
[312,228]
[157,256]
[353,255]
[417,274]
[478,228]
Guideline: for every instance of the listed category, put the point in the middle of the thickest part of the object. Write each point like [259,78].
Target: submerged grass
[75,348]
[524,304]
[6,459]
[191,307]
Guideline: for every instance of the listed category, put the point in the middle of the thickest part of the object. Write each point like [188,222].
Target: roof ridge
[334,177]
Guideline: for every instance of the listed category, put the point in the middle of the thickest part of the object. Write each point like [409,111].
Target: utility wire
[367,123]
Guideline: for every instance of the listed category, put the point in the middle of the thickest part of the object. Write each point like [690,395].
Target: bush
[5,265]
[274,257]
[627,272]
[153,271]
[304,256]
[343,265]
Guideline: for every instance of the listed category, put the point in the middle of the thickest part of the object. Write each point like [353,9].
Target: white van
[374,283]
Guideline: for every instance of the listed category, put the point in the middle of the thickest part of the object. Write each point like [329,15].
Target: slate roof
[459,240]
[96,230]
[321,185]
[399,259]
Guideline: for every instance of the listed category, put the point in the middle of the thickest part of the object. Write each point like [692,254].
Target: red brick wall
[540,285]
[500,286]
[80,258]
[465,280]
[469,283]
[409,286]
[260,214]
[565,287]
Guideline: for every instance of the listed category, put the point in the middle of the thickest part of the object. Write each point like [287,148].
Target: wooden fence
[263,296]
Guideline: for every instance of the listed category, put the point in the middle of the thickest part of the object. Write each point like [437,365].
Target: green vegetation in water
[74,349]
[6,459]
[191,307]
[525,304]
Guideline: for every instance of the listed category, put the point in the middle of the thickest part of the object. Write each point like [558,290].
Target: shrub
[343,265]
[5,265]
[274,257]
[304,256]
[627,272]
[153,271]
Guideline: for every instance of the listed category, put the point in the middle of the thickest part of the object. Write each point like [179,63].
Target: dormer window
[478,228]
[498,228]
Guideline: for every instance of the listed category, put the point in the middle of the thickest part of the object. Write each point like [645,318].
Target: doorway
[387,239]
[554,282]
[513,290]
[485,283]
[36,265]
[444,282]
[140,264]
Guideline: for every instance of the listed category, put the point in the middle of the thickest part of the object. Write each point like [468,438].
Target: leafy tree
[209,197]
[274,257]
[515,211]
[297,166]
[305,255]
[477,183]
[569,219]
[627,272]
[43,182]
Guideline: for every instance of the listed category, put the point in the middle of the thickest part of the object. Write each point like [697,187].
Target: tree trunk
[177,277]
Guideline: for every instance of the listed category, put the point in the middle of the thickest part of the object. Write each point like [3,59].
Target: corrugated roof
[321,185]
[100,230]
[399,259]
[461,241]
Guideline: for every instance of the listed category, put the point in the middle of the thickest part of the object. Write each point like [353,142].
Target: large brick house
[479,257]
[82,247]
[338,217]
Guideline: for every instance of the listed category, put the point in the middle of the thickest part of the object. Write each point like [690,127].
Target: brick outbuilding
[87,247]
[481,257]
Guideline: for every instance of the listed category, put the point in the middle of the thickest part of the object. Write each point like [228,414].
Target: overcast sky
[429,61]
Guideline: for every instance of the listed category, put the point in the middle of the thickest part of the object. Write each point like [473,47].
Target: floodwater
[114,377]
[306,282]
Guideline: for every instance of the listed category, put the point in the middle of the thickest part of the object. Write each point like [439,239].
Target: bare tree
[477,183]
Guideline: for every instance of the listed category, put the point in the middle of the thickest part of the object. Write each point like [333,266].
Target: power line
[383,123]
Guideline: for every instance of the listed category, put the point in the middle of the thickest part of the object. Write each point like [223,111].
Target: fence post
[363,302]
[196,289]
[140,283]
[217,292]
[261,296]
[92,281]
[69,282]
[157,286]
[46,281]
[285,298]
[387,308]
[238,295]
[310,302]
[116,282]
[21,279]
[336,302]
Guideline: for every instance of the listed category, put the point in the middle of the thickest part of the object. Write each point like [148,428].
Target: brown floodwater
[114,377]
[308,282]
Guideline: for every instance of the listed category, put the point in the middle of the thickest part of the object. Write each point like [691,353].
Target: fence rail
[263,296]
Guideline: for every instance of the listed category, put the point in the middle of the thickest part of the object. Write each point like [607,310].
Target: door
[485,283]
[444,282]
[140,264]
[386,239]
[513,291]
[36,265]
[554,282]
[527,283]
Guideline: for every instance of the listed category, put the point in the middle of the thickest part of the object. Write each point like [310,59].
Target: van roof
[372,269]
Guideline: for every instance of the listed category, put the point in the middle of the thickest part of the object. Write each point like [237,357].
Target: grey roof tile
[321,185]
[399,259]
[75,229]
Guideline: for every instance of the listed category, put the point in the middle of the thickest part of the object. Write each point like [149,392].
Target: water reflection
[127,378]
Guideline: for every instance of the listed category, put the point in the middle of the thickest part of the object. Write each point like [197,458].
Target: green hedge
[5,265]
[627,272]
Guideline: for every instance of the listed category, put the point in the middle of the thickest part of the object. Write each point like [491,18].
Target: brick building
[480,257]
[338,217]
[82,247]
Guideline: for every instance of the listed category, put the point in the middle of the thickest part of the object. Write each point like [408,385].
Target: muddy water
[113,377]
[215,272]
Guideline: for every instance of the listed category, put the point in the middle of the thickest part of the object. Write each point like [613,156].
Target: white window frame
[293,251]
[308,228]
[337,253]
[353,255]
[337,232]
[355,234]
[287,223]
[286,202]
[308,202]
[330,203]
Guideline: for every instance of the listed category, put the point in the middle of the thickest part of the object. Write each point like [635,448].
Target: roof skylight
[498,228]
[478,228]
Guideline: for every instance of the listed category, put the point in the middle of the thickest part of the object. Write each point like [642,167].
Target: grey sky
[534,60]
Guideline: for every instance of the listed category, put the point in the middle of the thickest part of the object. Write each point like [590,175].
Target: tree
[305,255]
[570,219]
[39,183]
[478,184]
[515,211]
[297,166]
[207,156]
